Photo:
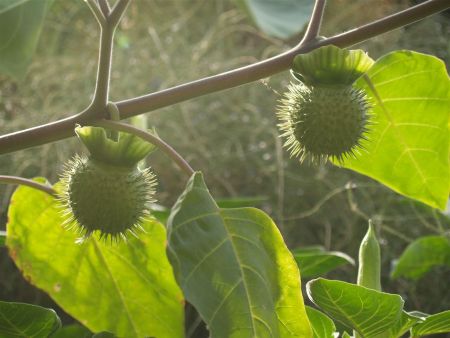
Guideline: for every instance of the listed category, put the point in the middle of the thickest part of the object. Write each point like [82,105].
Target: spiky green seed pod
[322,122]
[106,192]
[324,116]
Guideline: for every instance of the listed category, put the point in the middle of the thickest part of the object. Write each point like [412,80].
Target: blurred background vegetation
[231,136]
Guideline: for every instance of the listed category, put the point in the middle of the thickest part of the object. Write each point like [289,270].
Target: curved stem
[64,128]
[30,183]
[316,21]
[166,148]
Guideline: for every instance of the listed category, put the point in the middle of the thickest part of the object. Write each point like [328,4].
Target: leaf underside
[368,311]
[234,267]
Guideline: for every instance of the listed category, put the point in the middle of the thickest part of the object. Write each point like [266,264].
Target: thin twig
[30,183]
[101,19]
[101,92]
[118,10]
[104,6]
[64,128]
[316,21]
[166,148]
[107,30]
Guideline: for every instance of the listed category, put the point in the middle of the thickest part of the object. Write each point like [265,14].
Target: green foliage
[315,261]
[26,320]
[20,27]
[73,331]
[368,311]
[408,144]
[322,325]
[127,278]
[127,288]
[281,19]
[437,323]
[407,320]
[104,335]
[422,255]
[234,267]
[2,238]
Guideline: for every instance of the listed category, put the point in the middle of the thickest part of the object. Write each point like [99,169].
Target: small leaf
[367,311]
[127,288]
[234,268]
[281,19]
[422,255]
[408,142]
[20,27]
[26,320]
[317,262]
[437,323]
[321,324]
[404,323]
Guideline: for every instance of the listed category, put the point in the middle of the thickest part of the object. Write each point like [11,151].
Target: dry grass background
[231,136]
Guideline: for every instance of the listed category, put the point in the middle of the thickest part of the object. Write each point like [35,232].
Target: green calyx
[323,122]
[128,150]
[107,192]
[330,65]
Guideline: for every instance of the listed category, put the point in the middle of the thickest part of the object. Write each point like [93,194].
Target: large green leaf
[437,323]
[421,255]
[408,144]
[280,18]
[234,267]
[26,320]
[321,324]
[368,311]
[20,27]
[127,288]
[317,262]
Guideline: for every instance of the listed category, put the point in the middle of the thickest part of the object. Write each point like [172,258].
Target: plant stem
[104,6]
[101,19]
[30,183]
[64,128]
[101,92]
[316,21]
[118,10]
[166,148]
[107,29]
